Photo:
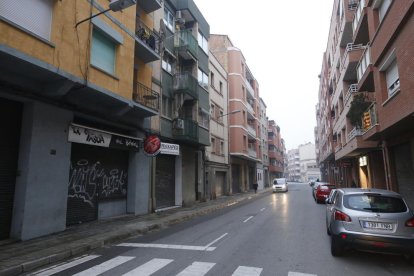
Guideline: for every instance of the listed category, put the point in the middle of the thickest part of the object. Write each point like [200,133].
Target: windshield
[279,181]
[375,203]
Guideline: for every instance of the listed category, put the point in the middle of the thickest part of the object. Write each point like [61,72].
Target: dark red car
[322,192]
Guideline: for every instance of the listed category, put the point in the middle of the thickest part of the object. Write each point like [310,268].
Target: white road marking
[105,266]
[60,267]
[249,218]
[196,269]
[149,267]
[168,246]
[216,240]
[261,210]
[247,271]
[300,274]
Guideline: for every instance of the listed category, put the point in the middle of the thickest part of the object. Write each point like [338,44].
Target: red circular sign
[152,145]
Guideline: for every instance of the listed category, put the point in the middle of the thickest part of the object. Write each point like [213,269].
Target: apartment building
[217,173]
[74,112]
[309,169]
[183,123]
[276,151]
[293,165]
[265,181]
[244,126]
[366,92]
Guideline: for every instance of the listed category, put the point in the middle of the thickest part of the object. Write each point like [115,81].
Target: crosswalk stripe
[149,267]
[60,267]
[196,269]
[300,274]
[247,271]
[105,266]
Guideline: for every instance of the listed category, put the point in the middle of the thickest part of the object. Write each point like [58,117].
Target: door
[219,183]
[165,181]
[235,176]
[404,170]
[10,124]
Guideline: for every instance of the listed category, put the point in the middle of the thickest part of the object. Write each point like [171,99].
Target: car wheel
[410,258]
[337,248]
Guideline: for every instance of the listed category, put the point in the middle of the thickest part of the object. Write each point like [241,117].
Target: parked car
[370,220]
[315,186]
[280,185]
[322,192]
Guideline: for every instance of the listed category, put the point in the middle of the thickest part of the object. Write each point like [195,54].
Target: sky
[283,43]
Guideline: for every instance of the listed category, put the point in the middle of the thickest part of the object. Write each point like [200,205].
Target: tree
[358,106]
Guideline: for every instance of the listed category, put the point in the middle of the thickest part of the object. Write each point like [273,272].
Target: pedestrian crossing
[152,266]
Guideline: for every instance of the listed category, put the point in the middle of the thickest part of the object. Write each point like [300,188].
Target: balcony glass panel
[186,83]
[185,41]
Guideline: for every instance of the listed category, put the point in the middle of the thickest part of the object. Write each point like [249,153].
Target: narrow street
[277,234]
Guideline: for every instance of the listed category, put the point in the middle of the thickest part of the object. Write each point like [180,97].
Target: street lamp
[115,5]
[232,112]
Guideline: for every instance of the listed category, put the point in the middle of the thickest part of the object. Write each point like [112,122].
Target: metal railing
[251,131]
[145,96]
[353,88]
[355,132]
[146,35]
[349,48]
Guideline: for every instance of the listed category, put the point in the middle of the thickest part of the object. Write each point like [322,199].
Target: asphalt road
[277,234]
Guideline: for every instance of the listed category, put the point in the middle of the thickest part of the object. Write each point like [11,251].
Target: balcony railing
[148,42]
[353,88]
[355,132]
[145,96]
[186,43]
[358,15]
[185,129]
[349,48]
[364,62]
[251,131]
[252,153]
[186,83]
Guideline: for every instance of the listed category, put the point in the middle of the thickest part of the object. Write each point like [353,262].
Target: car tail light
[342,216]
[410,222]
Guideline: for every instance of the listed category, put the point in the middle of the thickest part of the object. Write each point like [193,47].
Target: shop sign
[84,135]
[152,145]
[172,149]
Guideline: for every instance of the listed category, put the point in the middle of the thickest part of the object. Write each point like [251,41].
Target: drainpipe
[385,157]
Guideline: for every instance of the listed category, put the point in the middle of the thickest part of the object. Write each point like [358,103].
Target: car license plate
[377,225]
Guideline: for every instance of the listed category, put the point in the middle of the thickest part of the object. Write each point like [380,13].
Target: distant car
[280,185]
[369,220]
[322,192]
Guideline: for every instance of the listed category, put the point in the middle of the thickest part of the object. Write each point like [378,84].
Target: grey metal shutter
[165,181]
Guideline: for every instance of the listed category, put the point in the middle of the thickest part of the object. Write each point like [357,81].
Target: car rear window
[375,203]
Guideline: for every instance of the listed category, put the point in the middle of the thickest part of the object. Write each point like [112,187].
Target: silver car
[280,185]
[370,220]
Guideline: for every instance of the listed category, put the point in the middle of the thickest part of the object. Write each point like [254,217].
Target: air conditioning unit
[179,20]
[179,124]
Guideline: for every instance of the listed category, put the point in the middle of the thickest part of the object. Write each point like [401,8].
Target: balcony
[186,44]
[187,84]
[252,132]
[352,55]
[145,96]
[364,63]
[146,43]
[358,15]
[252,153]
[355,145]
[353,88]
[185,130]
[149,5]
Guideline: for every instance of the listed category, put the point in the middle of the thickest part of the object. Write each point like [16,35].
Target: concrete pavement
[21,257]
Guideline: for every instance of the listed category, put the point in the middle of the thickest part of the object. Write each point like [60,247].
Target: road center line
[249,218]
[261,210]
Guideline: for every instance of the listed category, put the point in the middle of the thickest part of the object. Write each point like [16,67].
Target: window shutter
[32,15]
[103,52]
[392,73]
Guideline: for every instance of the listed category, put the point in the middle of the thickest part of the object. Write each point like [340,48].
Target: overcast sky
[283,43]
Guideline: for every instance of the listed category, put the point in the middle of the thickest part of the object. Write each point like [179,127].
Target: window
[212,111]
[383,8]
[212,79]
[202,79]
[213,145]
[203,118]
[203,43]
[168,63]
[169,20]
[393,79]
[221,147]
[103,51]
[34,15]
[221,87]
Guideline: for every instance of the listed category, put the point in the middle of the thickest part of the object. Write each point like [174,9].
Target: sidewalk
[19,257]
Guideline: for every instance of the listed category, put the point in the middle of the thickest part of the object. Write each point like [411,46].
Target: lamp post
[115,5]
[232,112]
